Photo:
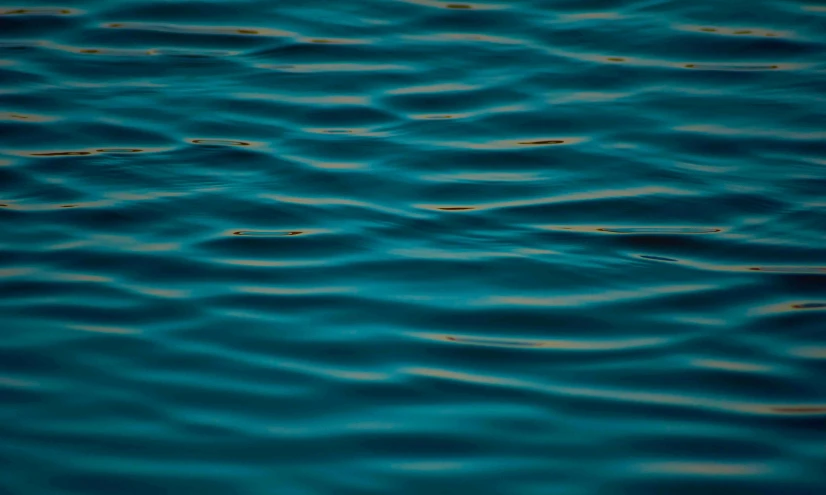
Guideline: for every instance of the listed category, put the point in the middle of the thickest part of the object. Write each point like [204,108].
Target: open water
[528,247]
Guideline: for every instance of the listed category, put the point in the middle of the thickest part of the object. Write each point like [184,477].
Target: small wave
[39,11]
[188,29]
[277,233]
[88,151]
[457,5]
[636,230]
[223,142]
[572,345]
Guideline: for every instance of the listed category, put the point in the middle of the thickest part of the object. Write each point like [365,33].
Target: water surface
[413,247]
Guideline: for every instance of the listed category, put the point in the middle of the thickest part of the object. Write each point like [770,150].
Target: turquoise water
[528,247]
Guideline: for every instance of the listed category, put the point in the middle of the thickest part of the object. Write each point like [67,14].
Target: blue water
[529,247]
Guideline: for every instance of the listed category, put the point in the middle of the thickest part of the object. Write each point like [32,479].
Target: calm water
[405,247]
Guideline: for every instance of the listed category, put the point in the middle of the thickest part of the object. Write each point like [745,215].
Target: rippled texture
[413,247]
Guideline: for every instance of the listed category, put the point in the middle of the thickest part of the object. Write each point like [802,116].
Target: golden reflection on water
[326,165]
[294,291]
[581,345]
[356,375]
[19,117]
[443,254]
[727,31]
[82,277]
[781,269]
[816,410]
[359,375]
[484,177]
[593,16]
[189,29]
[356,131]
[221,142]
[122,242]
[464,37]
[705,66]
[809,352]
[103,203]
[433,88]
[87,152]
[40,11]
[649,230]
[730,365]
[336,41]
[63,153]
[145,196]
[277,233]
[16,272]
[269,263]
[440,117]
[790,306]
[164,293]
[706,468]
[515,143]
[457,6]
[336,67]
[156,247]
[459,376]
[113,52]
[734,67]
[544,141]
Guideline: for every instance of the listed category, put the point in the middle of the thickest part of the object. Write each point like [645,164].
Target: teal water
[529,247]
